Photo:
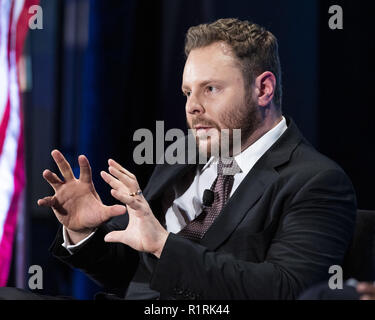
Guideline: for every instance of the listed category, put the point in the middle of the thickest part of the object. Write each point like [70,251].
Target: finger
[119,167]
[85,169]
[124,178]
[122,236]
[132,201]
[113,182]
[46,202]
[52,179]
[113,211]
[63,165]
[115,236]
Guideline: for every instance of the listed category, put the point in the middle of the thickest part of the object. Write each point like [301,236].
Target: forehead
[215,61]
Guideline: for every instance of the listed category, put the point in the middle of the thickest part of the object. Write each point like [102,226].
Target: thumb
[47,201]
[114,236]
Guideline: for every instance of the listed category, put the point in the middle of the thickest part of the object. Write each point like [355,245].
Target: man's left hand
[144,232]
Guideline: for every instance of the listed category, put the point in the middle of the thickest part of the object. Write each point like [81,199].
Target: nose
[194,106]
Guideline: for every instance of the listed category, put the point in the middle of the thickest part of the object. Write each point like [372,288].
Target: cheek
[219,106]
[228,109]
[186,112]
[188,118]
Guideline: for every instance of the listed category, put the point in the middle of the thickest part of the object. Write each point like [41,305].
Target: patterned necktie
[222,186]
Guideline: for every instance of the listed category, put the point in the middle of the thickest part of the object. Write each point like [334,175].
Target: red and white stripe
[13,28]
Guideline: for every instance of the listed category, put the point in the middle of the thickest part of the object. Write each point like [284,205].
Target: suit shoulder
[307,164]
[306,158]
[309,173]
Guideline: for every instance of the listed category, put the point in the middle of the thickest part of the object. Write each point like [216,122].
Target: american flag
[14,17]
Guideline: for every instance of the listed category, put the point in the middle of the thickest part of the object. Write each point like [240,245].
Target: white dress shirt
[188,203]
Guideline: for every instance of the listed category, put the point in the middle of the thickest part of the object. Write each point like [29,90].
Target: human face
[216,96]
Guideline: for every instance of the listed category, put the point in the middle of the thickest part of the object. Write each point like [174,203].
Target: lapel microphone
[208,198]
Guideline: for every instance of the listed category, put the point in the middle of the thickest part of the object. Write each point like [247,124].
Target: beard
[244,116]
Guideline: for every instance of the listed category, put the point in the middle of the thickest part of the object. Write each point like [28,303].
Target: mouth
[202,127]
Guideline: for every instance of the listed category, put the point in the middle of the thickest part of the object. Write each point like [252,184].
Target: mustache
[203,122]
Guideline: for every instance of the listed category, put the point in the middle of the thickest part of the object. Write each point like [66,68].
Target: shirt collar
[248,157]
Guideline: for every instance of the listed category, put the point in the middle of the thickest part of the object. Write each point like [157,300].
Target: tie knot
[227,167]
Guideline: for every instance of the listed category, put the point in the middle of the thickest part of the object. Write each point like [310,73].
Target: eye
[211,89]
[186,93]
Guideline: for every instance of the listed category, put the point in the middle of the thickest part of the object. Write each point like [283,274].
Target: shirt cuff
[73,247]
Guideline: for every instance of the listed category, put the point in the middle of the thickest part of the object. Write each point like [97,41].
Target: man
[273,227]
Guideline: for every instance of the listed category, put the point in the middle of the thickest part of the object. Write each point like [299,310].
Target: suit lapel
[260,177]
[164,177]
[246,195]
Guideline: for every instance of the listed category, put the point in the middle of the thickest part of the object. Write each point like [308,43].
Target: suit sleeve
[314,232]
[112,265]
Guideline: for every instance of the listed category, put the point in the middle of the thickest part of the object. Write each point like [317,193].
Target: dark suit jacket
[290,219]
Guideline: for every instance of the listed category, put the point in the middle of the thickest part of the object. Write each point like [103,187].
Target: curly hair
[255,48]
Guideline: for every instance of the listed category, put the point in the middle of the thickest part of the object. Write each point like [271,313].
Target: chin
[209,146]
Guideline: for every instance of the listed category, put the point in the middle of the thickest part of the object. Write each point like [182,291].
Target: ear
[265,85]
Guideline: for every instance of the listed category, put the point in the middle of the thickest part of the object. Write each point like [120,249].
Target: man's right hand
[76,203]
